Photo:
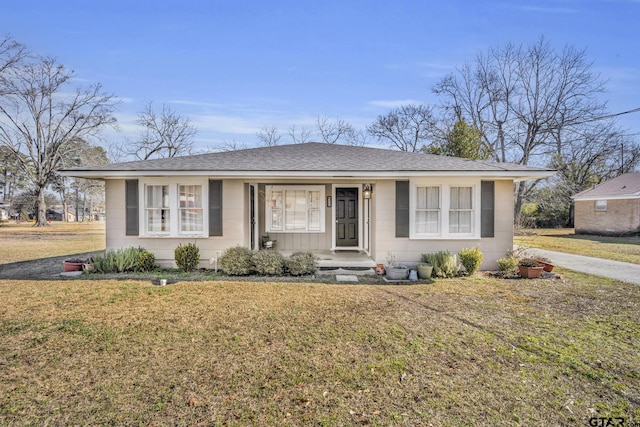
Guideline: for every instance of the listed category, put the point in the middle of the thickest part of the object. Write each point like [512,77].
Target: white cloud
[394,103]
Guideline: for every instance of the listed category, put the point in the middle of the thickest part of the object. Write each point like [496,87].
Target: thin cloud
[394,103]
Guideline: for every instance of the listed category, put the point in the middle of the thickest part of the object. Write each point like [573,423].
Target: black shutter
[402,208]
[215,207]
[487,213]
[131,207]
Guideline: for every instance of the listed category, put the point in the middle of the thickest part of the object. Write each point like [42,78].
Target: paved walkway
[617,270]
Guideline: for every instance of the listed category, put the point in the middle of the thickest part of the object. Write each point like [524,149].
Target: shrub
[444,263]
[236,261]
[301,263]
[146,260]
[187,256]
[471,259]
[529,262]
[268,262]
[507,263]
[119,260]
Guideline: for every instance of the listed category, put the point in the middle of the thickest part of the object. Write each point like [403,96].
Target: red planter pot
[72,266]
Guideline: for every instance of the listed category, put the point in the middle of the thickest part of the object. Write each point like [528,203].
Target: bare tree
[336,131]
[407,128]
[299,136]
[524,100]
[269,136]
[40,116]
[231,145]
[164,134]
[11,54]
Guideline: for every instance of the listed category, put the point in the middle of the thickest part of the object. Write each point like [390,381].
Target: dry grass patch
[23,242]
[625,249]
[473,351]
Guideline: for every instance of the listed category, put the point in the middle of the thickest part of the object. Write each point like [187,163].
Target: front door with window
[347,217]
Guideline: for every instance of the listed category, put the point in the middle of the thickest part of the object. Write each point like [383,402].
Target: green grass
[469,351]
[625,249]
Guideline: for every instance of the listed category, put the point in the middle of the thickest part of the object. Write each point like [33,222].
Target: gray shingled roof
[627,184]
[312,157]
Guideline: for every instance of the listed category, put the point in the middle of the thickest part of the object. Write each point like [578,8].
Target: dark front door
[346,217]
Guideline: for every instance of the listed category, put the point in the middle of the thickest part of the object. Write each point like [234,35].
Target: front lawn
[468,351]
[625,249]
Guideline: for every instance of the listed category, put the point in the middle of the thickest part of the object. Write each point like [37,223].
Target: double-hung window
[295,209]
[174,209]
[428,210]
[190,209]
[157,209]
[444,209]
[461,210]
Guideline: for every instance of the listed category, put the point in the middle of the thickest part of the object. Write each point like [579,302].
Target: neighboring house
[312,197]
[56,213]
[612,207]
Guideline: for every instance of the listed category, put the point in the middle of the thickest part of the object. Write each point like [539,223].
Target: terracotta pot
[72,266]
[547,266]
[530,272]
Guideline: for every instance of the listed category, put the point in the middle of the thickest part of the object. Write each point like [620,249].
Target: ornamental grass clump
[268,262]
[444,264]
[301,264]
[187,256]
[236,261]
[471,259]
[123,260]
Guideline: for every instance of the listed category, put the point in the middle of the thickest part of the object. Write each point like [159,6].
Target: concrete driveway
[598,267]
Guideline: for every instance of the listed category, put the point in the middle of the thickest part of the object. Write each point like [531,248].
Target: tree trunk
[41,212]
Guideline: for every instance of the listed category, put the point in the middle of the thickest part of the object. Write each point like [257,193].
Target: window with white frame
[444,210]
[461,210]
[601,205]
[174,209]
[295,209]
[427,210]
[190,209]
[157,209]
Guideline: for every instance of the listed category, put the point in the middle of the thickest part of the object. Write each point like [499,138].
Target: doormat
[346,278]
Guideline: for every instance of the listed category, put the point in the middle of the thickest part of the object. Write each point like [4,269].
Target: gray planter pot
[399,272]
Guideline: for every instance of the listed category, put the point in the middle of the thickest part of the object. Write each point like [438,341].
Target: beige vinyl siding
[234,232]
[410,250]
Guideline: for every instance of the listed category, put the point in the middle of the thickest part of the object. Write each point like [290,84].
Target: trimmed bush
[236,261]
[187,256]
[301,263]
[268,262]
[444,263]
[123,260]
[471,259]
[146,260]
[508,263]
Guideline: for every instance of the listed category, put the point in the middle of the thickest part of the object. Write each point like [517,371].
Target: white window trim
[445,195]
[306,189]
[601,208]
[174,184]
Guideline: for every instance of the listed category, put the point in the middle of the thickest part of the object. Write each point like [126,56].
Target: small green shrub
[268,262]
[119,260]
[444,263]
[146,260]
[507,263]
[471,259]
[187,256]
[529,262]
[301,263]
[236,261]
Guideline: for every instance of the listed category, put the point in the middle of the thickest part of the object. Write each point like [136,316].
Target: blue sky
[233,67]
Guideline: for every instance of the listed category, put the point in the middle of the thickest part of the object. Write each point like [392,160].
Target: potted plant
[546,263]
[530,268]
[396,271]
[73,264]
